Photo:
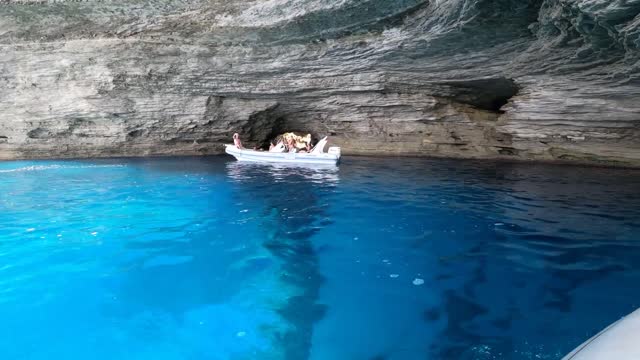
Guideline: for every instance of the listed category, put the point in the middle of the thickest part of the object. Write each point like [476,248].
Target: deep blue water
[207,258]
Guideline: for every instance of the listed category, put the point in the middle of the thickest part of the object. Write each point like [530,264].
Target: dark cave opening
[498,103]
[489,94]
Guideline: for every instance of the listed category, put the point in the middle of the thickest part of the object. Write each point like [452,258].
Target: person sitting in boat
[305,149]
[236,141]
[303,143]
[291,145]
[297,143]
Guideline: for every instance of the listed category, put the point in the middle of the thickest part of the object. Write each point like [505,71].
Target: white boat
[315,157]
[618,341]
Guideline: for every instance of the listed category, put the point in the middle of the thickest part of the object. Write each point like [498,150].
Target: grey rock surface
[514,79]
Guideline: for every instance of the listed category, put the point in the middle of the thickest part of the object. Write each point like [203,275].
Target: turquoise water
[207,258]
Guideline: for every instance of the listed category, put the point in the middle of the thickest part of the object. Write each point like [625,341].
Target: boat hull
[619,341]
[282,158]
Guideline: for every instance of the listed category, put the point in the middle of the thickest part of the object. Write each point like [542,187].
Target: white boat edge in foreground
[619,341]
[331,158]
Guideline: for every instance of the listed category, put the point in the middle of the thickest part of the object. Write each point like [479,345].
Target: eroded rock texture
[524,79]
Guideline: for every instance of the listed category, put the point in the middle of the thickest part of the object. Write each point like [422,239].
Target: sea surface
[378,259]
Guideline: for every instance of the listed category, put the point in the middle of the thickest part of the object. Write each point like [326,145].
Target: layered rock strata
[532,79]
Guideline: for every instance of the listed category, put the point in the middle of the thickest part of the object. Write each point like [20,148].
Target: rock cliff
[516,79]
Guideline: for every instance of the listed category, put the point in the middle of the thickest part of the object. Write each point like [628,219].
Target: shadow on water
[205,254]
[294,208]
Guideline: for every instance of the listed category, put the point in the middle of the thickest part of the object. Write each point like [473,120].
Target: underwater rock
[532,79]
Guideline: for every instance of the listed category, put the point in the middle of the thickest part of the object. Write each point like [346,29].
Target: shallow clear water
[207,258]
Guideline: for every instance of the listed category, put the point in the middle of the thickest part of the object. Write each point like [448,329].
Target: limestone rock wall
[526,79]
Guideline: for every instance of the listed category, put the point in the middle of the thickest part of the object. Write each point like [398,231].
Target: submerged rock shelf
[547,80]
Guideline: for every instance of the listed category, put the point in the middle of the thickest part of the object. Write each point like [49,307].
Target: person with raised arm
[236,141]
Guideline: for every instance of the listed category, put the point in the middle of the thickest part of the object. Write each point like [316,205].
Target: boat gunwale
[281,157]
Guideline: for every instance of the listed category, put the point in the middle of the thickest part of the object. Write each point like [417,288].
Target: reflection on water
[207,258]
[282,172]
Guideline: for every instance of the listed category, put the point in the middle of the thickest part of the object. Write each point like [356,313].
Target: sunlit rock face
[515,79]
